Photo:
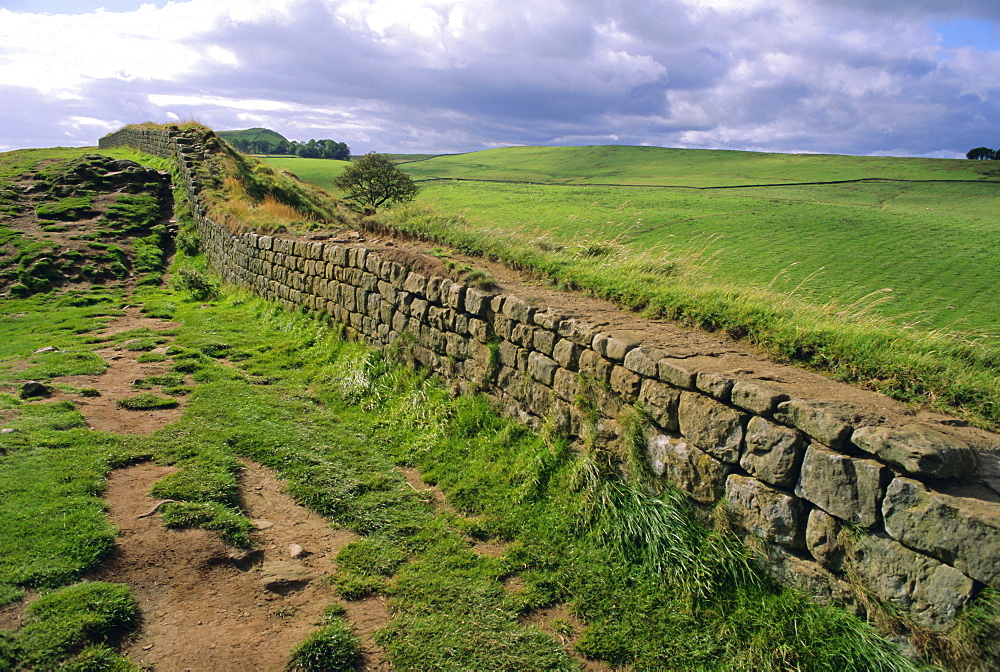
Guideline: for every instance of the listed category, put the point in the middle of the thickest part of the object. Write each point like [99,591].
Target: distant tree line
[983,154]
[313,149]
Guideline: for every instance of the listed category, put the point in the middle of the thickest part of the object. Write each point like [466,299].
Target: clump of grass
[232,526]
[201,286]
[331,648]
[74,626]
[151,357]
[147,401]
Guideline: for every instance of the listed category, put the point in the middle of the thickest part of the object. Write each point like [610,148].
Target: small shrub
[198,284]
[147,401]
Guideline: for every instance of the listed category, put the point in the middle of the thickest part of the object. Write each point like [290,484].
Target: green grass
[615,164]
[320,172]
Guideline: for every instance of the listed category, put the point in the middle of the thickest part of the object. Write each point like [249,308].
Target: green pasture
[932,244]
[615,164]
[320,172]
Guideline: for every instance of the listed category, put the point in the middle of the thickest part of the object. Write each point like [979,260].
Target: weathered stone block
[918,450]
[823,540]
[715,385]
[577,332]
[694,472]
[518,309]
[827,424]
[479,330]
[773,452]
[813,580]
[566,384]
[542,368]
[765,512]
[711,426]
[643,360]
[567,354]
[477,302]
[595,367]
[614,345]
[625,383]
[547,319]
[544,341]
[847,487]
[677,372]
[933,593]
[660,401]
[757,396]
[960,531]
[416,284]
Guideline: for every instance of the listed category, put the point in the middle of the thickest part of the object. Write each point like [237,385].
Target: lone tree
[373,181]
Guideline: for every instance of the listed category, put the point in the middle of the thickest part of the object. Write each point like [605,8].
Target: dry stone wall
[851,510]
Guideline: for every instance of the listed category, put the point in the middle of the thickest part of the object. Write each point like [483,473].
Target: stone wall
[852,506]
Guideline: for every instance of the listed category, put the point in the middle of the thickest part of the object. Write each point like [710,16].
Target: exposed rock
[541,368]
[48,348]
[962,532]
[295,551]
[825,588]
[766,512]
[677,372]
[715,385]
[827,424]
[660,401]
[284,577]
[615,344]
[644,360]
[711,426]
[33,388]
[697,474]
[757,396]
[823,540]
[847,487]
[933,593]
[918,450]
[773,452]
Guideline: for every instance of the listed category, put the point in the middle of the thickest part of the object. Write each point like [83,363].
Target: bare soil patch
[115,384]
[208,606]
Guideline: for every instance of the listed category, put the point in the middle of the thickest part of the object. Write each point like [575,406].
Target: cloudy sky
[899,77]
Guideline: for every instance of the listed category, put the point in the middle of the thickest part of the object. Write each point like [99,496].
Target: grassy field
[320,172]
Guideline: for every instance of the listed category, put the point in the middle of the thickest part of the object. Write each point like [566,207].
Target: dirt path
[114,384]
[207,606]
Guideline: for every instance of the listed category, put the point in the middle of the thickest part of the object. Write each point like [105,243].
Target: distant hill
[273,138]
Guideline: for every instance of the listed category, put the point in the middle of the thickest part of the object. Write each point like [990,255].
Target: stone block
[919,450]
[453,296]
[660,401]
[614,345]
[547,319]
[643,360]
[850,488]
[766,512]
[625,383]
[566,384]
[567,354]
[577,332]
[677,372]
[711,426]
[518,309]
[415,284]
[931,592]
[773,452]
[694,472]
[813,580]
[823,540]
[960,531]
[479,330]
[595,367]
[716,385]
[544,341]
[542,368]
[757,396]
[828,424]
